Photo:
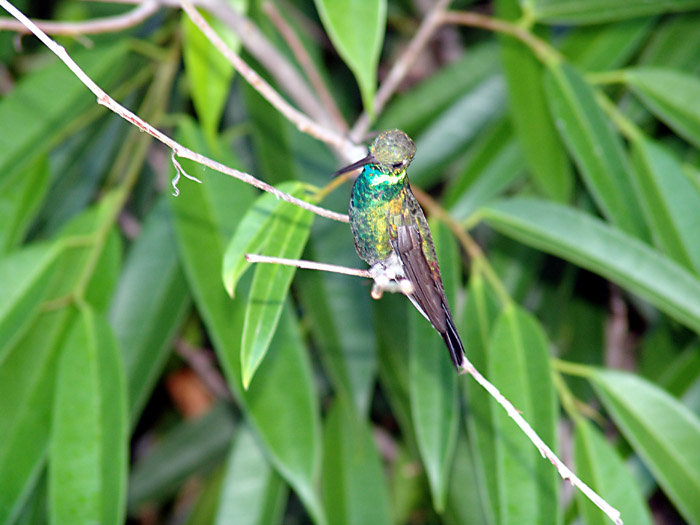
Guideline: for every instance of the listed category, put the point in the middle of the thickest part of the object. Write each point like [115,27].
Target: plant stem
[545,52]
[573,369]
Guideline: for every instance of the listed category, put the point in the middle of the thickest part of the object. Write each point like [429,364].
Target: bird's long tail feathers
[454,344]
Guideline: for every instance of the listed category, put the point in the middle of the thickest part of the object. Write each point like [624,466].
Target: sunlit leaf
[354,487]
[356,29]
[581,239]
[596,11]
[595,146]
[528,486]
[252,493]
[661,430]
[285,238]
[676,106]
[89,434]
[602,469]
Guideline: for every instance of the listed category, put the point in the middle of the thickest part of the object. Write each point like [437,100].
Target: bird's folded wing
[408,245]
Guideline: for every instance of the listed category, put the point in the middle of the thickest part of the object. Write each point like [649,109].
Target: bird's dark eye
[397,165]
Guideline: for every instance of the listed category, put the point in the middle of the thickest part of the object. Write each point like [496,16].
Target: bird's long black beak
[369,159]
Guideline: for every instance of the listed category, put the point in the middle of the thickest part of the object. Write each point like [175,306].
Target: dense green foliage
[149,372]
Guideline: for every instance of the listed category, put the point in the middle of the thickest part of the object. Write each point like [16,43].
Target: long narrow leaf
[594,145]
[661,430]
[528,487]
[285,238]
[590,243]
[89,437]
[600,466]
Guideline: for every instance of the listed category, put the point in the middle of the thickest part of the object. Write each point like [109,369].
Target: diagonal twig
[310,70]
[178,149]
[342,144]
[108,24]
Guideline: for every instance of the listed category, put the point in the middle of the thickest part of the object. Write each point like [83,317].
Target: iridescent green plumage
[392,235]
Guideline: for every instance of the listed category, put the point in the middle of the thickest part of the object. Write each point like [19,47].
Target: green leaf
[390,312]
[24,278]
[676,105]
[191,446]
[205,215]
[596,11]
[543,150]
[454,128]
[591,244]
[595,146]
[252,493]
[491,165]
[21,195]
[601,468]
[528,486]
[354,486]
[433,380]
[89,435]
[480,314]
[413,111]
[149,305]
[670,200]
[253,232]
[37,120]
[661,430]
[356,28]
[209,73]
[337,312]
[27,377]
[606,46]
[673,43]
[286,238]
[207,499]
[465,503]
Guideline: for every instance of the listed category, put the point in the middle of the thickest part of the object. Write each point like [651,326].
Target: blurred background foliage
[565,144]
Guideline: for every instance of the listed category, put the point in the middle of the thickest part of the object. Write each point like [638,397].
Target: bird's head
[391,151]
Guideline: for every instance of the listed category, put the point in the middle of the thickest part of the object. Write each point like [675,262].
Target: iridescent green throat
[375,187]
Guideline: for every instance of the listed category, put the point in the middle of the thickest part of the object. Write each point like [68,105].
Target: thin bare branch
[297,47]
[542,49]
[398,72]
[286,76]
[300,120]
[546,452]
[108,24]
[178,149]
[308,265]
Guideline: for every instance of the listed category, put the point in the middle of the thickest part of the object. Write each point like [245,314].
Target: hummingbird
[392,235]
